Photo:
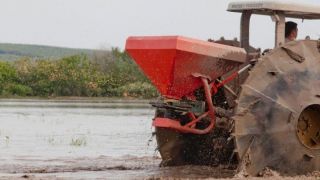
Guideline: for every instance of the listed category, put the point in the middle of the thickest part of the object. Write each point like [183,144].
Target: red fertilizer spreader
[181,68]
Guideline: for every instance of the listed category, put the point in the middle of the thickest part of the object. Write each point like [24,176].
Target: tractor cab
[278,11]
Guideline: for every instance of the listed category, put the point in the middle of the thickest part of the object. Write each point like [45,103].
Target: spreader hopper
[171,62]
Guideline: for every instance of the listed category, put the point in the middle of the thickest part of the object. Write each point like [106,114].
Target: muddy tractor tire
[277,121]
[170,143]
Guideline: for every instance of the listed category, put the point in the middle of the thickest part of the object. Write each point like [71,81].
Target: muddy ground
[127,167]
[89,140]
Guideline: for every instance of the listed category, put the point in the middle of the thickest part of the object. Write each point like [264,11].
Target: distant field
[11,52]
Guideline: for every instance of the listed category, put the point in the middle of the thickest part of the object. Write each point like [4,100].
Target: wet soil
[126,167]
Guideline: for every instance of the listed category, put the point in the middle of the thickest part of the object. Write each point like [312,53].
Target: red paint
[170,61]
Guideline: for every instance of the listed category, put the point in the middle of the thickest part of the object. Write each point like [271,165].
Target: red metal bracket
[190,127]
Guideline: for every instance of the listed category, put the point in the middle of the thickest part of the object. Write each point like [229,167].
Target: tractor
[226,104]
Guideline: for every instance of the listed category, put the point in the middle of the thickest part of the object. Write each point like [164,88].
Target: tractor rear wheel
[277,122]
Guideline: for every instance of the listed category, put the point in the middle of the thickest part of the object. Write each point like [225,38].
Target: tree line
[104,74]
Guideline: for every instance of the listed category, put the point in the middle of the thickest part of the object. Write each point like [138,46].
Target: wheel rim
[308,127]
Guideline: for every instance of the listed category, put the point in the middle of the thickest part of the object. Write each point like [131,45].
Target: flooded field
[84,140]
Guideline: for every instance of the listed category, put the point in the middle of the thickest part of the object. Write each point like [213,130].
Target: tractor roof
[290,9]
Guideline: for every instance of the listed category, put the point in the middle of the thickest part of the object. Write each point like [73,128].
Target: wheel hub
[308,128]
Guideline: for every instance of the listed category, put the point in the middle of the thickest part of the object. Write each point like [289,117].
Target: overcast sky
[107,23]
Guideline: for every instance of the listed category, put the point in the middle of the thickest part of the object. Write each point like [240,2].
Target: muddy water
[47,139]
[82,139]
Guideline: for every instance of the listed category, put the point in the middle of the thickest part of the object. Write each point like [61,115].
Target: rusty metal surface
[308,127]
[277,90]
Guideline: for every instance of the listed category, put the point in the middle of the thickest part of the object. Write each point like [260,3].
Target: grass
[79,141]
[7,140]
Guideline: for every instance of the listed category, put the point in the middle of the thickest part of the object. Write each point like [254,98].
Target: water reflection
[78,131]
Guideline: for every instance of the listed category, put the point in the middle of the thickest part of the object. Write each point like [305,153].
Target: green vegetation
[79,141]
[103,74]
[12,52]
